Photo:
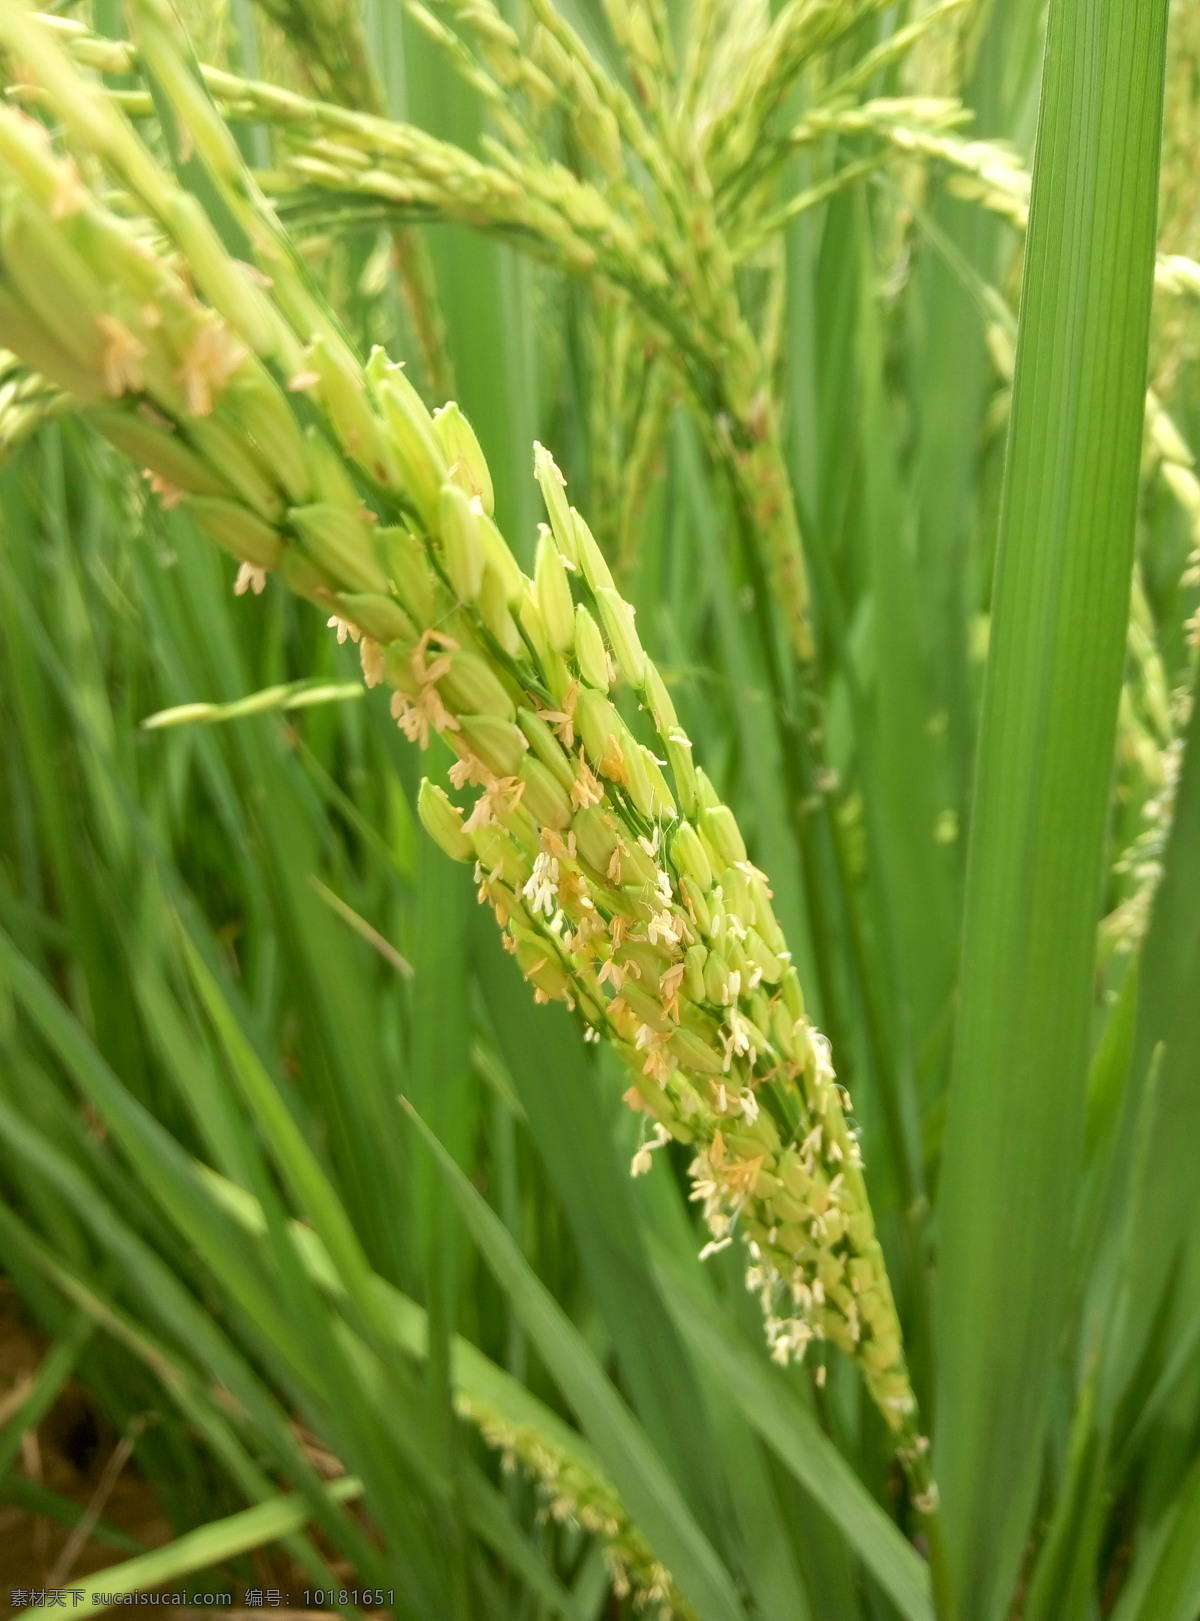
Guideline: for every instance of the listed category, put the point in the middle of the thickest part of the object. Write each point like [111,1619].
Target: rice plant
[597,922]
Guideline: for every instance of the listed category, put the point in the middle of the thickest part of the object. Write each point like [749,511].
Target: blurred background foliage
[233,936]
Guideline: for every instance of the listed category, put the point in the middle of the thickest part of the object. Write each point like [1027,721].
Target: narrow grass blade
[57,1367]
[1164,1584]
[567,1120]
[35,1499]
[1014,1138]
[772,1408]
[650,1494]
[207,1545]
[1165,1233]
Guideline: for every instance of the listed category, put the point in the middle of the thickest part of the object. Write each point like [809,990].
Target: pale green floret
[697,903]
[546,746]
[553,487]
[442,821]
[421,465]
[601,728]
[591,559]
[341,543]
[379,616]
[222,446]
[688,854]
[637,778]
[533,625]
[719,827]
[590,652]
[464,456]
[21,331]
[327,468]
[617,616]
[54,280]
[501,561]
[237,531]
[679,758]
[663,800]
[716,978]
[158,448]
[554,594]
[706,794]
[545,797]
[497,742]
[494,611]
[266,416]
[403,557]
[658,701]
[693,977]
[462,542]
[472,686]
[345,399]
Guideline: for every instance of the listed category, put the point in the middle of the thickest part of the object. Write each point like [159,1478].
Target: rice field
[600,829]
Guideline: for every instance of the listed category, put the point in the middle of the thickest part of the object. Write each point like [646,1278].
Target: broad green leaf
[1014,1142]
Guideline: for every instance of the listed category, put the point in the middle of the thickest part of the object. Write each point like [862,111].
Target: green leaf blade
[1014,1138]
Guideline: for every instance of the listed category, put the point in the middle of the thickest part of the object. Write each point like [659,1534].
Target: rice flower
[621,885]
